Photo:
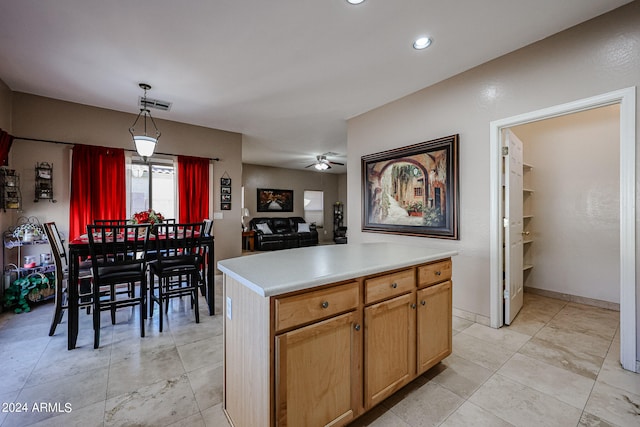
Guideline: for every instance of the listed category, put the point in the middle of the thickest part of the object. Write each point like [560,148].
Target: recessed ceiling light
[422,43]
[355,1]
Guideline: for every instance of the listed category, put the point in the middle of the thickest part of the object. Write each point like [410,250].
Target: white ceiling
[285,73]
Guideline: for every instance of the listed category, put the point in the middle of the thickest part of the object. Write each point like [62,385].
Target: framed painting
[225,190]
[225,197]
[271,200]
[225,206]
[412,190]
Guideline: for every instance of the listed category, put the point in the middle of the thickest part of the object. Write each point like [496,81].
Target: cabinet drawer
[314,305]
[434,273]
[389,285]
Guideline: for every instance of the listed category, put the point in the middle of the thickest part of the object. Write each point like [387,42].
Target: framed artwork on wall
[271,200]
[412,190]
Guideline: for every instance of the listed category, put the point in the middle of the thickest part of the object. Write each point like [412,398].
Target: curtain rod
[217,159]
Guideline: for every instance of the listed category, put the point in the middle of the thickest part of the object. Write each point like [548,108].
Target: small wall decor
[225,192]
[44,182]
[412,190]
[270,200]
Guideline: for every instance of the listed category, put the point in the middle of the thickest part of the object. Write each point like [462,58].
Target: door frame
[627,100]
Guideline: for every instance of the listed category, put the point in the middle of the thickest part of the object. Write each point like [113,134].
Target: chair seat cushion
[120,272]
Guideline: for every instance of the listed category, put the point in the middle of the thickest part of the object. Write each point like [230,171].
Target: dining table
[79,249]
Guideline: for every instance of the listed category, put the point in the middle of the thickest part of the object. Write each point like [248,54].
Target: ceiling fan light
[321,166]
[145,145]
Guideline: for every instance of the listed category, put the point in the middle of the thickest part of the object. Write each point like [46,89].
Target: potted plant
[34,287]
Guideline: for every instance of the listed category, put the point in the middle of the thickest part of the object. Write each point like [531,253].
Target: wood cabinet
[327,355]
[433,325]
[407,334]
[316,373]
[390,342]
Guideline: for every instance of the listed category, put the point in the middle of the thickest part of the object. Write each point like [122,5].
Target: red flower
[147,217]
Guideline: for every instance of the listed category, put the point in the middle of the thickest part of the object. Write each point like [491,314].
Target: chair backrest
[177,240]
[110,221]
[207,227]
[118,245]
[57,249]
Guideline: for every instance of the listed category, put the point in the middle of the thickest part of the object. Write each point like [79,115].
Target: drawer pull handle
[394,285]
[423,302]
[357,327]
[325,304]
[438,273]
[413,306]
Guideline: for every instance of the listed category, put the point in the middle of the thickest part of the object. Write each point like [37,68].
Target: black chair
[207,228]
[177,266]
[118,259]
[85,293]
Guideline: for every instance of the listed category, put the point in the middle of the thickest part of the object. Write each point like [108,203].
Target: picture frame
[225,197]
[225,206]
[225,181]
[413,190]
[272,200]
[225,189]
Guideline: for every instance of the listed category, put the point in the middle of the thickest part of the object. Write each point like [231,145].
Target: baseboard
[473,317]
[574,298]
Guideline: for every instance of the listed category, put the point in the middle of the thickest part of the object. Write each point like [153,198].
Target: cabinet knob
[423,302]
[413,305]
[325,304]
[394,285]
[438,273]
[357,327]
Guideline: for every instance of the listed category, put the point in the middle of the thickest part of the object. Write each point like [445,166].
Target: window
[151,186]
[314,207]
[417,192]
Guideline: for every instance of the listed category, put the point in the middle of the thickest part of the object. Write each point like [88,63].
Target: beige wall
[49,119]
[596,57]
[254,177]
[576,203]
[6,96]
[5,107]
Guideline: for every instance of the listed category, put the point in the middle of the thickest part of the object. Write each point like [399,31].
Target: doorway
[626,99]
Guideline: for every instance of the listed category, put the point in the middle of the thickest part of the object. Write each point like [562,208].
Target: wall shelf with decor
[10,197]
[44,182]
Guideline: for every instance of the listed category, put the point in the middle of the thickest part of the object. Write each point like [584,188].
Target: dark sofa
[282,233]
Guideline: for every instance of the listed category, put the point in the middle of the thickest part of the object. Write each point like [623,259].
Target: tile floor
[557,365]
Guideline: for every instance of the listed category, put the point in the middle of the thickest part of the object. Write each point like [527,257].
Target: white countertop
[279,272]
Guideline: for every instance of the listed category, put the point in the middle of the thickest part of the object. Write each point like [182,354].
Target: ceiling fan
[322,163]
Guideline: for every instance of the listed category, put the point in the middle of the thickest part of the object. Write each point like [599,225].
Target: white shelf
[526,242]
[527,267]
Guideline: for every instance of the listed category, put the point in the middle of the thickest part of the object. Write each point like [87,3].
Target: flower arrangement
[147,217]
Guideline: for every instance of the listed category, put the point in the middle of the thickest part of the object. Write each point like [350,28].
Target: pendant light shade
[145,144]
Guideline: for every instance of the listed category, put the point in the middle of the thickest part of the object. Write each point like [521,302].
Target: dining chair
[207,228]
[85,292]
[177,266]
[118,260]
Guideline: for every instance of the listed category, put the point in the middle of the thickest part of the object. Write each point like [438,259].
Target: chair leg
[143,305]
[194,298]
[96,319]
[113,306]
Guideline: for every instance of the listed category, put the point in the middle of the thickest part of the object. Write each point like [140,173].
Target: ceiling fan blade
[308,166]
[336,163]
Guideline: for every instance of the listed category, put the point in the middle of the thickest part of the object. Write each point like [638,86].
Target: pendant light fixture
[145,144]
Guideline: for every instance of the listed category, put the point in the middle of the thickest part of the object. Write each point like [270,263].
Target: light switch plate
[217,215]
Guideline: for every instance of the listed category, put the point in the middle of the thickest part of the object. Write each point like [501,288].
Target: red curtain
[98,186]
[5,145]
[193,188]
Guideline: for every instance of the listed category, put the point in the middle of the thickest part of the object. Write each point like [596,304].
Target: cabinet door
[434,325]
[389,347]
[317,373]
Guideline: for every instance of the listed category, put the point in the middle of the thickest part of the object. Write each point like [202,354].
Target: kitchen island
[319,335]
